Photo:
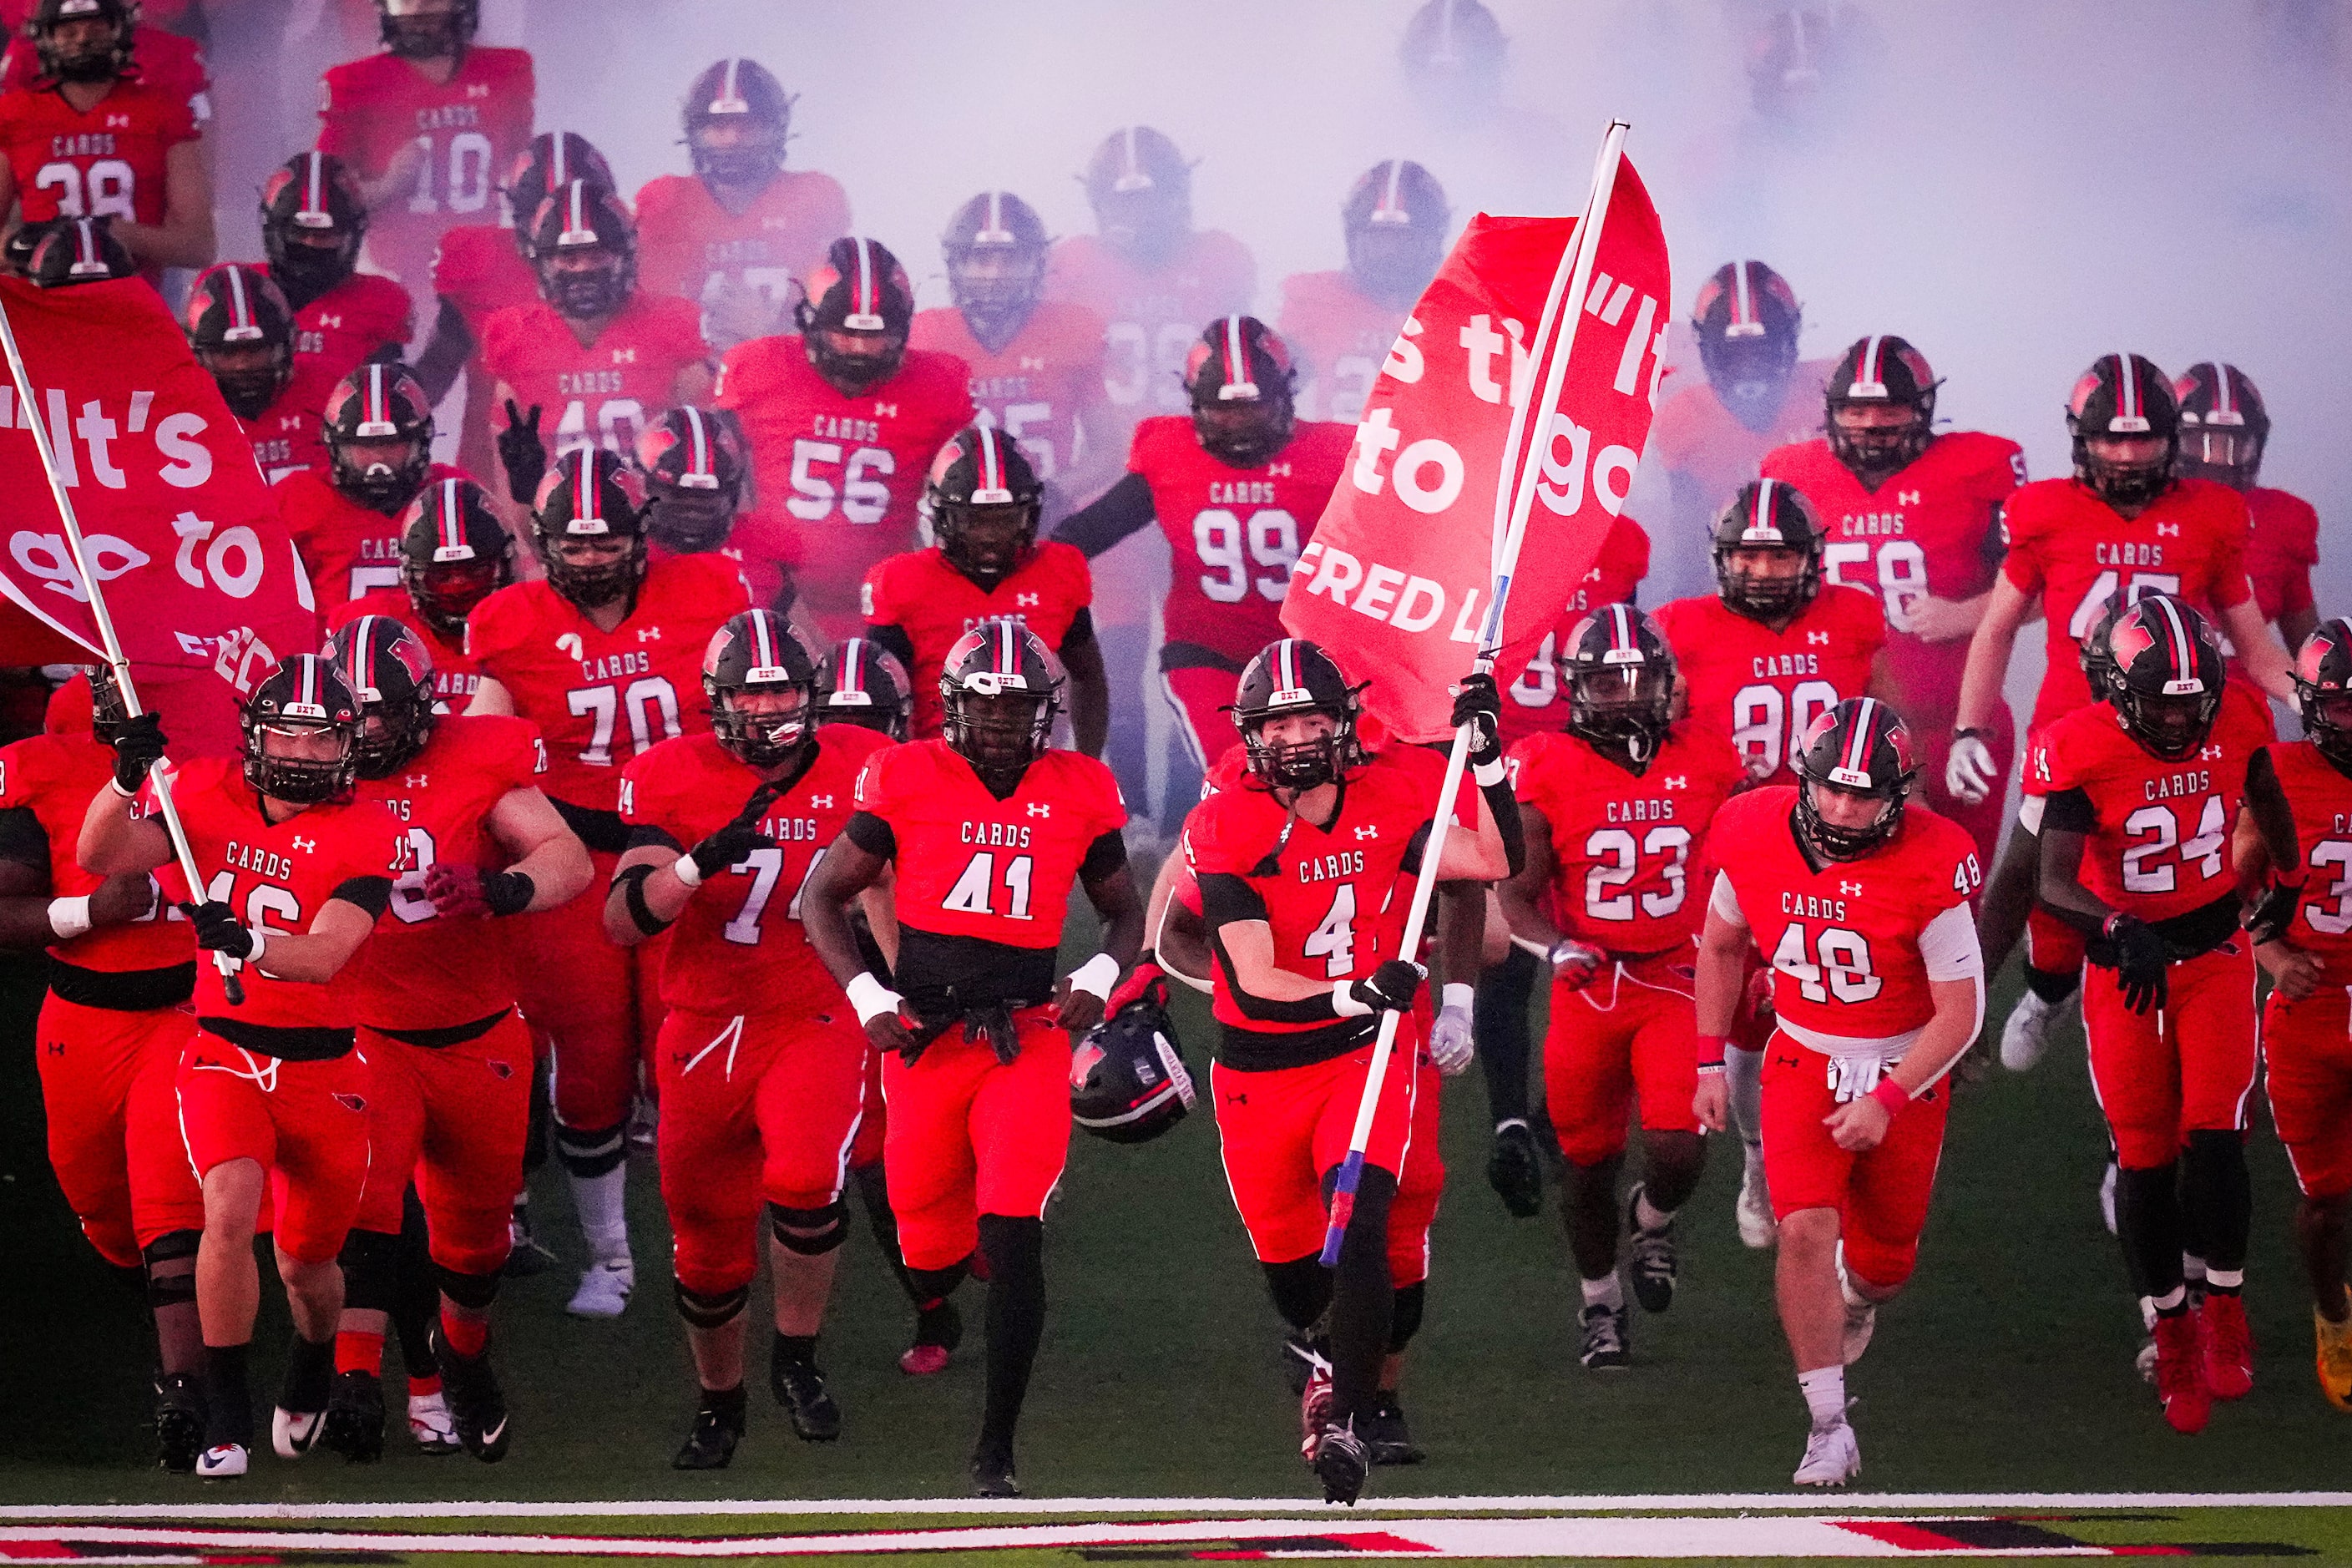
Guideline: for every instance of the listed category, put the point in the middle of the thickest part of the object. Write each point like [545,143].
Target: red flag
[199,576]
[1395,582]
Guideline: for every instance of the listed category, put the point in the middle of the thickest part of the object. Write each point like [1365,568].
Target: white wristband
[254,958]
[870,996]
[1457,995]
[1096,976]
[1487,775]
[70,918]
[687,871]
[1344,1003]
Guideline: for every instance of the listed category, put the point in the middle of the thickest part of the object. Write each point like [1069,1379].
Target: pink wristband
[1890,1094]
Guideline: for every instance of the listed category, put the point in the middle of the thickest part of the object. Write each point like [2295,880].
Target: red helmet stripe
[2127,388]
[584,498]
[356,661]
[853,666]
[452,517]
[2177,650]
[240,314]
[311,193]
[763,640]
[86,244]
[2223,402]
[698,442]
[1621,630]
[1390,208]
[865,280]
[1743,303]
[1864,736]
[307,691]
[727,94]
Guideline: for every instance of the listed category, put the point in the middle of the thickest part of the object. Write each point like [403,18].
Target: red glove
[455,890]
[1148,980]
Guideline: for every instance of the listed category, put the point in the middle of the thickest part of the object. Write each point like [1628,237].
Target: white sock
[1648,1216]
[1824,1391]
[1606,1291]
[603,1215]
[1744,1071]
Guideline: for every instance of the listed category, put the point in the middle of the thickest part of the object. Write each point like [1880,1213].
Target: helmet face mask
[855,319]
[82,40]
[985,503]
[108,711]
[1128,1080]
[312,222]
[588,528]
[1767,553]
[583,248]
[761,682]
[584,281]
[1881,408]
[2224,426]
[378,430]
[1242,386]
[454,553]
[1855,772]
[738,119]
[391,673]
[241,330]
[2125,423]
[1296,715]
[693,464]
[1620,675]
[999,690]
[995,247]
[1395,221]
[1141,190]
[1746,323]
[2166,675]
[427,30]
[250,375]
[301,731]
[2322,691]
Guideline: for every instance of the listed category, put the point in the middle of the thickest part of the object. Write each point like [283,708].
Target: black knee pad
[1404,1321]
[1012,1245]
[171,1264]
[702,1311]
[812,1233]
[475,1292]
[590,1152]
[1302,1289]
[371,1262]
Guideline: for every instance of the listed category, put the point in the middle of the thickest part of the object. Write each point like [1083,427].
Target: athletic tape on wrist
[1487,775]
[870,997]
[70,918]
[687,871]
[1098,976]
[1344,1003]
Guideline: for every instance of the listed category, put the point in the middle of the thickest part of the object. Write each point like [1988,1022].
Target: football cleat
[1651,1264]
[1832,1457]
[179,1421]
[525,1256]
[1514,1170]
[477,1406]
[429,1425]
[2228,1343]
[1302,1356]
[294,1433]
[1314,1410]
[717,1428]
[2180,1373]
[2107,1196]
[2334,1359]
[992,1472]
[354,1426]
[799,1388]
[605,1287]
[2026,1035]
[1757,1228]
[221,1462]
[1603,1341]
[938,1330]
[1341,1463]
[1386,1437]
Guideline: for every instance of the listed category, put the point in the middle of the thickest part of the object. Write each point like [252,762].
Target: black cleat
[1651,1265]
[1340,1464]
[1386,1439]
[354,1424]
[179,1421]
[477,1406]
[799,1387]
[991,1471]
[717,1428]
[1514,1170]
[1603,1342]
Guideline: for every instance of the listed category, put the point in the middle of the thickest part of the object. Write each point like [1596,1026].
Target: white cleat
[1832,1457]
[604,1289]
[429,1423]
[1757,1228]
[2026,1035]
[293,1433]
[225,1462]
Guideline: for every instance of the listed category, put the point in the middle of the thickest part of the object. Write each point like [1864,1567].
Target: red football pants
[2187,1066]
[1280,1131]
[1629,1036]
[873,1123]
[1881,1195]
[2051,945]
[456,1118]
[599,1003]
[970,1135]
[1420,1183]
[304,1122]
[107,1082]
[757,1109]
[1200,696]
[2307,1065]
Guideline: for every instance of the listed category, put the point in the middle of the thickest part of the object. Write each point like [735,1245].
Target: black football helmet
[1294,675]
[108,711]
[1000,661]
[855,314]
[454,553]
[1244,391]
[864,684]
[2224,425]
[2322,691]
[1863,747]
[2096,652]
[242,329]
[304,696]
[1620,673]
[1882,372]
[1452,53]
[738,118]
[551,161]
[1747,321]
[1140,189]
[77,251]
[378,402]
[2168,671]
[1768,515]
[2124,394]
[589,493]
[312,221]
[1395,218]
[390,670]
[583,247]
[985,501]
[428,29]
[101,61]
[757,651]
[694,465]
[995,252]
[1128,1080]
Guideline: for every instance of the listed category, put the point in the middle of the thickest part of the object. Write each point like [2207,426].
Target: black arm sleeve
[1415,847]
[1227,899]
[368,893]
[1503,807]
[873,834]
[1116,513]
[1104,858]
[22,840]
[445,352]
[2069,810]
[1081,632]
[896,639]
[646,835]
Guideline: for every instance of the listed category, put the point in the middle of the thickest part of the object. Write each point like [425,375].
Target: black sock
[1500,1026]
[1016,1250]
[1404,1321]
[310,1374]
[2147,1223]
[2053,986]
[795,1349]
[1363,1299]
[726,1401]
[416,1290]
[2217,1198]
[228,1396]
[875,1189]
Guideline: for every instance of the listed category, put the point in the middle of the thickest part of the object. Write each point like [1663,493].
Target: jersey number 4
[974,891]
[1838,964]
[2156,831]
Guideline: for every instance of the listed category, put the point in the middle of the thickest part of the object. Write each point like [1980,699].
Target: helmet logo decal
[1853,768]
[1866,376]
[2130,418]
[1763,528]
[992,491]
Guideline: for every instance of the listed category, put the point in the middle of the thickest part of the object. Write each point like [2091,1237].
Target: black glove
[737,839]
[522,455]
[1478,700]
[2140,962]
[218,929]
[138,746]
[993,1023]
[1392,988]
[2275,912]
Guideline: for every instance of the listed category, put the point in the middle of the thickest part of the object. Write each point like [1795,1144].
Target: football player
[346,517]
[763,1063]
[2139,799]
[2121,527]
[453,552]
[172,60]
[1615,812]
[604,656]
[1914,518]
[2224,430]
[843,420]
[1862,901]
[595,349]
[425,126]
[1770,651]
[92,137]
[108,1043]
[242,331]
[312,224]
[1301,874]
[1236,487]
[1341,323]
[987,827]
[738,234]
[984,499]
[2306,1035]
[695,470]
[1036,364]
[269,1086]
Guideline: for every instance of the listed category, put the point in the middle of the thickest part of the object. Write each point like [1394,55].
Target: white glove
[1451,1046]
[1970,772]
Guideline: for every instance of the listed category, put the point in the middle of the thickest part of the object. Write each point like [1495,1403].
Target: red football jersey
[2322,799]
[349,550]
[1843,941]
[456,673]
[163,60]
[54,777]
[109,163]
[277,877]
[688,241]
[1764,689]
[934,604]
[1339,337]
[419,971]
[838,477]
[601,395]
[1033,388]
[285,436]
[2162,845]
[2280,552]
[1235,533]
[738,945]
[1932,530]
[468,133]
[2077,553]
[1151,317]
[351,322]
[1629,851]
[972,864]
[1538,700]
[601,697]
[1695,436]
